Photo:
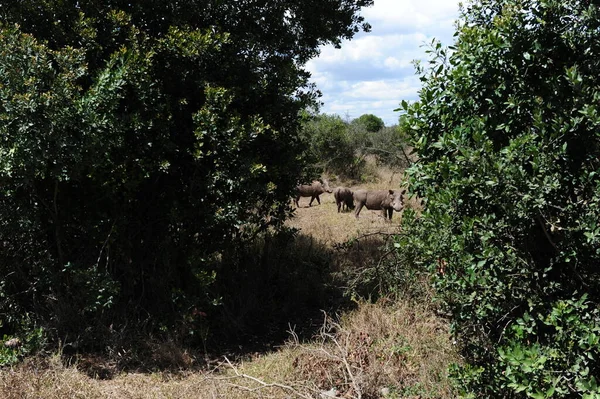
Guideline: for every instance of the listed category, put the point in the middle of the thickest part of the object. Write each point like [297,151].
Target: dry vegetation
[390,349]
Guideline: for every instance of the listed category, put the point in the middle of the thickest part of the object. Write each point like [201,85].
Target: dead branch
[328,325]
[543,226]
[262,384]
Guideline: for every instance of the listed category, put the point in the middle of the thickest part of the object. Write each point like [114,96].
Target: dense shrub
[369,123]
[341,148]
[141,140]
[389,146]
[507,134]
[330,145]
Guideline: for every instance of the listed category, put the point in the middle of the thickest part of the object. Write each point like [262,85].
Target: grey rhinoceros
[343,197]
[312,190]
[387,201]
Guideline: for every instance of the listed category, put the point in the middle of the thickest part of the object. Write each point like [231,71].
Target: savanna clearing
[375,347]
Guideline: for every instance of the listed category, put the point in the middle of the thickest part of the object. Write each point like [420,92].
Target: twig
[262,383]
[292,332]
[104,246]
[507,323]
[328,325]
[377,233]
[344,360]
[406,156]
[543,225]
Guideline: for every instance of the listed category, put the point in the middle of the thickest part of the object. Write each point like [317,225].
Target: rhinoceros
[312,190]
[343,197]
[387,201]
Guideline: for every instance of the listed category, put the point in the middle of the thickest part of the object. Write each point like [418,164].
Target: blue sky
[373,72]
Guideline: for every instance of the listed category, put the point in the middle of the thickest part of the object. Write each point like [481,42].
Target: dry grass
[384,350]
[401,349]
[50,379]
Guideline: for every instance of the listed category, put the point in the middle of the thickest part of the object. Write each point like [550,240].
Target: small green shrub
[369,123]
[28,340]
[376,269]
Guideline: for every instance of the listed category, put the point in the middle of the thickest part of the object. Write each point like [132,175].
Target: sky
[373,73]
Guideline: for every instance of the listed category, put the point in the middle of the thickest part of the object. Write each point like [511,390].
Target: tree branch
[262,384]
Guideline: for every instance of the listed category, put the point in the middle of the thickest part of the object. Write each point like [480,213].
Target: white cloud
[409,15]
[370,48]
[395,63]
[383,89]
[373,73]
[379,97]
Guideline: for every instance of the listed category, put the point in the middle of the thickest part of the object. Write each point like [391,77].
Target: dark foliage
[139,142]
[507,135]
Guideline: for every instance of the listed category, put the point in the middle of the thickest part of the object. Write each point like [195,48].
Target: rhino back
[371,199]
[378,199]
[360,196]
[342,193]
[307,190]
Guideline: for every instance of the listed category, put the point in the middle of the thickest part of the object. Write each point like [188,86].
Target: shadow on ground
[278,284]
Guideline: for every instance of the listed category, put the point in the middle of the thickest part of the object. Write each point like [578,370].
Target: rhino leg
[313,198]
[358,208]
[349,204]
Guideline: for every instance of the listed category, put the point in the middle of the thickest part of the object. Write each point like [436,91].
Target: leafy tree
[341,148]
[507,134]
[370,122]
[389,145]
[141,139]
[330,146]
[370,136]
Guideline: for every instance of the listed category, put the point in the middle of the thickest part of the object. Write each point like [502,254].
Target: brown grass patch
[402,349]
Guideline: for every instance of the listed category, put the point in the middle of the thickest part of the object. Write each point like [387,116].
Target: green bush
[141,140]
[370,267]
[389,146]
[386,144]
[27,340]
[341,148]
[330,146]
[506,131]
[369,123]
